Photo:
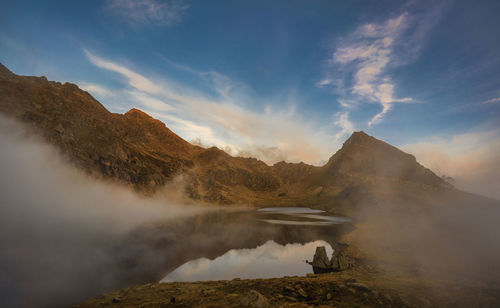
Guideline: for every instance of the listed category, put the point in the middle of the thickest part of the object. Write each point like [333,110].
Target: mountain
[411,231]
[138,150]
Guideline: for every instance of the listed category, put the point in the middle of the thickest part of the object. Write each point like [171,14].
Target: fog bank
[58,227]
[471,159]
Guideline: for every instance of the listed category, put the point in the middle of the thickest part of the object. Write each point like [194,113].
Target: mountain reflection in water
[265,261]
[264,243]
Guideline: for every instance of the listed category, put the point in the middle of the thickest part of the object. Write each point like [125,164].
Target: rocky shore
[361,286]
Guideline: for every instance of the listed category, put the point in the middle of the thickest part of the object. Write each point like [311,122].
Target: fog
[65,237]
[446,237]
[471,159]
[59,228]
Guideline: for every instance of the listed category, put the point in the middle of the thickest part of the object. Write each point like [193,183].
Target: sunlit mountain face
[283,81]
[249,154]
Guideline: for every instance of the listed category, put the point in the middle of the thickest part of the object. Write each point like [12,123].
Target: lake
[275,242]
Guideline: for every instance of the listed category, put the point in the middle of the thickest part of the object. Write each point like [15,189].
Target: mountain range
[140,151]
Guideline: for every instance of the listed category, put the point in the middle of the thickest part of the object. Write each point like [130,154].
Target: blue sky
[280,79]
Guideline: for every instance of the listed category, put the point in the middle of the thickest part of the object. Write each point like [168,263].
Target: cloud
[94,89]
[134,79]
[359,68]
[471,159]
[269,134]
[149,101]
[493,100]
[367,52]
[347,103]
[324,82]
[148,12]
[342,121]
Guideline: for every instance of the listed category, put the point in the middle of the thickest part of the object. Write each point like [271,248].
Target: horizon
[283,82]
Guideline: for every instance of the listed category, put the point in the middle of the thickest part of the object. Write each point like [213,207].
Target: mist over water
[65,237]
[59,228]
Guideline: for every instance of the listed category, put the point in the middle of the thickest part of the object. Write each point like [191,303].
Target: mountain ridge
[138,150]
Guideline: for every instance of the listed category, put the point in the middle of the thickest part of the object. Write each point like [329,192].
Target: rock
[254,299]
[340,261]
[320,262]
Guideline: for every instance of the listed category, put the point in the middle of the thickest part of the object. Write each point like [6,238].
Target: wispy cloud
[359,67]
[148,12]
[269,134]
[470,158]
[134,79]
[492,101]
[341,119]
[368,52]
[149,101]
[94,89]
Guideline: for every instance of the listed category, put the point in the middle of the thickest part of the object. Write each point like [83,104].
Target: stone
[340,261]
[254,299]
[320,262]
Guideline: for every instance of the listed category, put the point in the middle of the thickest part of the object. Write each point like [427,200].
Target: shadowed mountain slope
[135,149]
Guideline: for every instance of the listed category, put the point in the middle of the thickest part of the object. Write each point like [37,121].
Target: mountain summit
[364,154]
[138,150]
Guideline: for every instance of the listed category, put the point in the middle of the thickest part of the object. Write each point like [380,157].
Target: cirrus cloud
[271,134]
[359,68]
[138,13]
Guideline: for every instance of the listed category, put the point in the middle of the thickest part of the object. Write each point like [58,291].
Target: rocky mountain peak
[366,155]
[361,139]
[139,113]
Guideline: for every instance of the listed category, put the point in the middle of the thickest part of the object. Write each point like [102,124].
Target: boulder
[321,263]
[339,261]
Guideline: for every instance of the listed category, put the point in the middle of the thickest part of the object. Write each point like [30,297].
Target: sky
[283,80]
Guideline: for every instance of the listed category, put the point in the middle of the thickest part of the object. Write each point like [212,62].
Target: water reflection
[299,216]
[290,210]
[265,261]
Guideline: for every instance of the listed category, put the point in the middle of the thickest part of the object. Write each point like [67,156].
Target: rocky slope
[135,149]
